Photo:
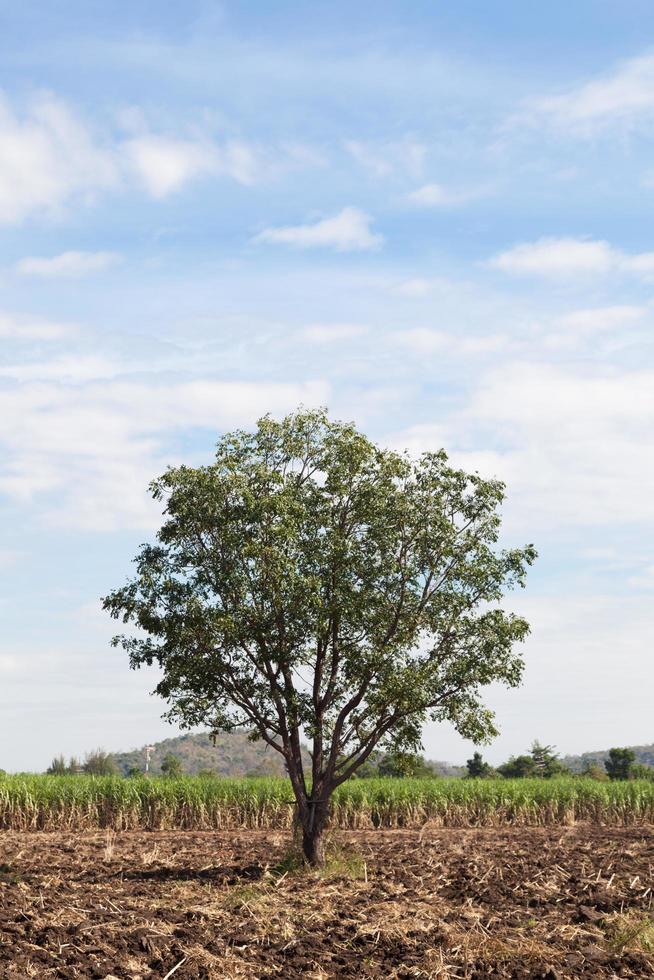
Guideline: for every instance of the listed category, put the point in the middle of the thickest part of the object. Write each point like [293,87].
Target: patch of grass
[340,862]
[8,876]
[241,897]
[630,930]
[291,862]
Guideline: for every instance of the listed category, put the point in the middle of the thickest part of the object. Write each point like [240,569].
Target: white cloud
[578,327]
[92,449]
[415,287]
[164,164]
[47,159]
[347,231]
[421,438]
[20,327]
[331,333]
[565,258]
[600,644]
[599,319]
[437,196]
[67,265]
[8,664]
[50,159]
[576,449]
[626,95]
[68,368]
[425,340]
[385,159]
[645,578]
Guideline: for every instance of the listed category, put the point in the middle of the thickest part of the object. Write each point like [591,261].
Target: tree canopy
[309,583]
[620,763]
[477,768]
[171,766]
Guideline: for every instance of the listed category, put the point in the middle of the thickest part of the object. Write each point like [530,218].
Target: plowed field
[527,902]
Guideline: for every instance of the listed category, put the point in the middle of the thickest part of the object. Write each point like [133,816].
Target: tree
[57,767]
[619,763]
[310,584]
[546,761]
[477,768]
[171,766]
[592,771]
[99,763]
[638,771]
[518,767]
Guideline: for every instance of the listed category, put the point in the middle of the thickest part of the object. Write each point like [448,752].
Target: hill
[232,755]
[576,763]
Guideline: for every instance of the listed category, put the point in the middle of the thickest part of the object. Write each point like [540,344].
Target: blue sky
[434,218]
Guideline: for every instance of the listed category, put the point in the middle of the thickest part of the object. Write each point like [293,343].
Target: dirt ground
[548,903]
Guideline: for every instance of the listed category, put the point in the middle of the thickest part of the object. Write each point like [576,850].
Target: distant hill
[576,763]
[232,755]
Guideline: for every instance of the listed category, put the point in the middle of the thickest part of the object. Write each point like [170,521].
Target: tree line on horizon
[541,762]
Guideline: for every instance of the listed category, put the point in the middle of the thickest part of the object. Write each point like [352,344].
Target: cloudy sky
[436,219]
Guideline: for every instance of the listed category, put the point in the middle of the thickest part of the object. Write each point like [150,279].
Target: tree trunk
[313,832]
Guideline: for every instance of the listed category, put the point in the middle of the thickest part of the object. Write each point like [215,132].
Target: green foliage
[171,767]
[630,929]
[639,771]
[99,763]
[542,763]
[620,763]
[133,773]
[57,767]
[518,767]
[593,771]
[576,763]
[546,761]
[369,769]
[477,768]
[404,764]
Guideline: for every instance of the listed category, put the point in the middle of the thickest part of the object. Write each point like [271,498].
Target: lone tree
[311,585]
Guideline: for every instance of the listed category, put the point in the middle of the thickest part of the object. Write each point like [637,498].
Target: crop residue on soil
[552,903]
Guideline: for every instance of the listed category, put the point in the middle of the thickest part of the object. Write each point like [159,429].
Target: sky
[435,219]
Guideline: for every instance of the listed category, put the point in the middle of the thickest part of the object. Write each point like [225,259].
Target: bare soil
[550,903]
